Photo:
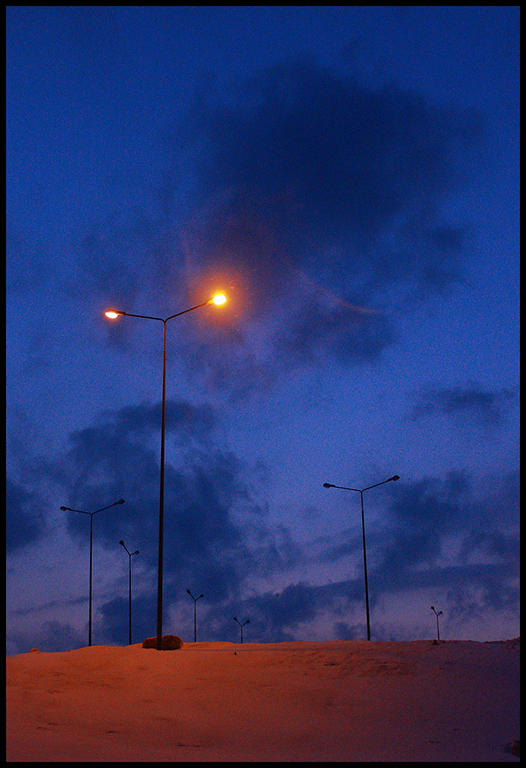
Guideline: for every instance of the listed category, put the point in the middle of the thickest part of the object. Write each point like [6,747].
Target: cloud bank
[315,201]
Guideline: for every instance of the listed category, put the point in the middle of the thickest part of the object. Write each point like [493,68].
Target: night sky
[348,177]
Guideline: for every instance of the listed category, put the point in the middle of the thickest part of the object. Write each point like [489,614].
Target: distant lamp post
[241,625]
[361,492]
[69,509]
[437,615]
[130,554]
[112,314]
[195,599]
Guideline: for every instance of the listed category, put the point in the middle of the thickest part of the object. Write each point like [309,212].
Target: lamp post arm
[343,487]
[377,484]
[83,512]
[178,314]
[145,317]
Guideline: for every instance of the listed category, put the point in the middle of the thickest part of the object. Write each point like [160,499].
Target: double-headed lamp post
[195,599]
[112,314]
[361,492]
[241,625]
[130,554]
[69,509]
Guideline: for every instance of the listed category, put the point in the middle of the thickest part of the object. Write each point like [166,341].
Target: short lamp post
[69,509]
[437,615]
[241,625]
[112,314]
[195,599]
[361,491]
[130,554]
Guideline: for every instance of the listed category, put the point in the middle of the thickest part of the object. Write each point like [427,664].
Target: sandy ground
[293,702]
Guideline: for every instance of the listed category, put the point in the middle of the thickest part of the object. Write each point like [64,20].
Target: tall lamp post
[112,314]
[361,492]
[129,586]
[69,509]
[195,599]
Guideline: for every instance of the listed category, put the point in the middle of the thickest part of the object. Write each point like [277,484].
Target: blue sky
[348,176]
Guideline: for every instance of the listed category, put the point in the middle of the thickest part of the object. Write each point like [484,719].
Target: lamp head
[121,543]
[121,501]
[219,299]
[395,477]
[188,591]
[112,314]
[328,485]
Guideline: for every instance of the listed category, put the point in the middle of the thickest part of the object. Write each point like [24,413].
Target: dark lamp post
[195,599]
[241,625]
[112,314]
[69,509]
[361,491]
[437,615]
[130,554]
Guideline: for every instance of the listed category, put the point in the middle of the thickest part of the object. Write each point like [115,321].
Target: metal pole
[129,602]
[82,512]
[116,313]
[90,572]
[365,574]
[161,506]
[361,492]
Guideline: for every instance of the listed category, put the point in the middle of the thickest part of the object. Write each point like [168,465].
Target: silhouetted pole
[437,615]
[241,625]
[69,509]
[129,586]
[112,314]
[195,599]
[361,491]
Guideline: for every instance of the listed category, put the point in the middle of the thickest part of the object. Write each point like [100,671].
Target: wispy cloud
[469,405]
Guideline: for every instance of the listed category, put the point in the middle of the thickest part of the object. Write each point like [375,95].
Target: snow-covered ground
[293,701]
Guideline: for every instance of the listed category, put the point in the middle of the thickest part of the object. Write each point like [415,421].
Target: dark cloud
[336,330]
[214,528]
[276,616]
[306,168]
[469,405]
[451,535]
[113,624]
[51,636]
[314,201]
[24,520]
[423,514]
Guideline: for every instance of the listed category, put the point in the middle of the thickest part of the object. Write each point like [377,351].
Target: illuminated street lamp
[129,584]
[241,625]
[437,615]
[195,599]
[69,509]
[361,492]
[112,314]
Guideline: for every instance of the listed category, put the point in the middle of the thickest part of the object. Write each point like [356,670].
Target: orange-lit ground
[294,702]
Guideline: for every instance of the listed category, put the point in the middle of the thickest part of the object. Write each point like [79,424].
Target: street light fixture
[69,509]
[437,615]
[112,314]
[241,625]
[129,586]
[361,492]
[195,599]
